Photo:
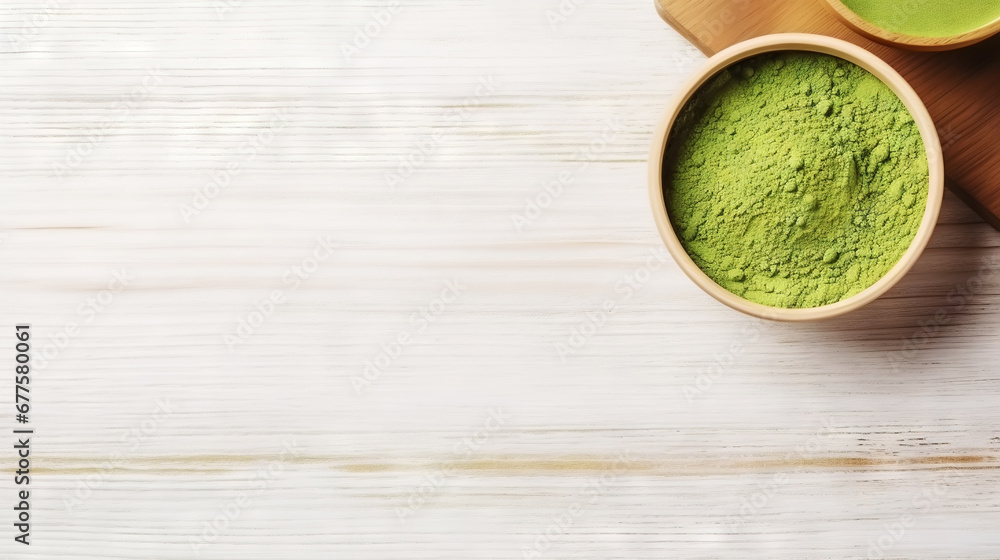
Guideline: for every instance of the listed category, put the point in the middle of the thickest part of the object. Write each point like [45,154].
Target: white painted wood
[823,435]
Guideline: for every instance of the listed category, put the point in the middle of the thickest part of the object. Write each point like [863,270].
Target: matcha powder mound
[795,180]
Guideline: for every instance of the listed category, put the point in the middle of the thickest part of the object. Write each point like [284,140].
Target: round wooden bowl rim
[824,45]
[911,42]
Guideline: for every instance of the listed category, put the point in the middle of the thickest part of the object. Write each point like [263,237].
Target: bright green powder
[795,179]
[927,18]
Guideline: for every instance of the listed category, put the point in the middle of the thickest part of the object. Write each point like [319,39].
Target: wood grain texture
[958,87]
[647,440]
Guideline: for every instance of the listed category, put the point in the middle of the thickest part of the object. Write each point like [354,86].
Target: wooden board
[959,87]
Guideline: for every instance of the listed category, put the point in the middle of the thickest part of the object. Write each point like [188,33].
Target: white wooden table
[216,213]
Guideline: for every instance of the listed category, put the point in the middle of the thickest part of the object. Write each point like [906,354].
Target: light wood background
[672,428]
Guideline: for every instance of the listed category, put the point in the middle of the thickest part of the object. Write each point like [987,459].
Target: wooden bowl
[911,42]
[818,44]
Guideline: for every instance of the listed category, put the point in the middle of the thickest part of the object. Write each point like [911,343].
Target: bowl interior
[809,43]
[912,42]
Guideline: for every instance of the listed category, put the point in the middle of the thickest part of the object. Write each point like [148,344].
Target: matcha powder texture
[795,179]
[927,18]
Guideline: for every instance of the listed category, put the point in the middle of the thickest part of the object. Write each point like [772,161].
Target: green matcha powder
[927,18]
[795,180]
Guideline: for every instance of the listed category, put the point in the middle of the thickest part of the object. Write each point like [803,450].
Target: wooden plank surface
[958,87]
[153,440]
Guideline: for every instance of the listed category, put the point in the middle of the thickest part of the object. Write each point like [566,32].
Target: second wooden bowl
[911,42]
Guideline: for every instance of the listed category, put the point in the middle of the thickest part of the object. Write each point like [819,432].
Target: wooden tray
[960,88]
